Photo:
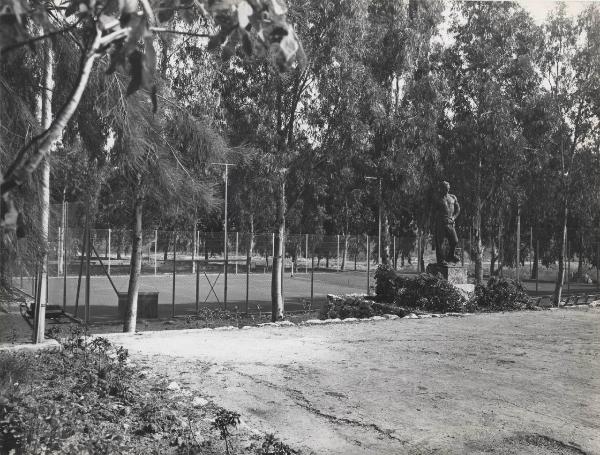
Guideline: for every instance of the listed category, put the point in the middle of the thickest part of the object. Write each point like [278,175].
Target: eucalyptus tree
[569,65]
[491,72]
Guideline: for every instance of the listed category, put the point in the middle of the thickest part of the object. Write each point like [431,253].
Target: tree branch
[178,32]
[35,39]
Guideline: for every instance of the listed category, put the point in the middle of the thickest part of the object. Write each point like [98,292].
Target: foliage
[501,294]
[88,398]
[425,292]
[272,446]
[224,420]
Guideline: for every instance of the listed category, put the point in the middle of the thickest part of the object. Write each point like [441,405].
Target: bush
[501,294]
[425,292]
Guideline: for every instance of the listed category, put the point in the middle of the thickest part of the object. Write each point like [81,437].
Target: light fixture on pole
[379,221]
[225,252]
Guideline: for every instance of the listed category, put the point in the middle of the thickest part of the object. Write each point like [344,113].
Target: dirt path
[503,383]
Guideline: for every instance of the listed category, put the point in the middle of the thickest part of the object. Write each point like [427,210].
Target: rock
[199,401]
[350,320]
[411,316]
[425,316]
[267,324]
[315,321]
[391,316]
[173,386]
[247,327]
[595,303]
[435,315]
[333,321]
[377,318]
[456,315]
[285,324]
[229,327]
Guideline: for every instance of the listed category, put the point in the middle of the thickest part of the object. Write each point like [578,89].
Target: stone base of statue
[453,273]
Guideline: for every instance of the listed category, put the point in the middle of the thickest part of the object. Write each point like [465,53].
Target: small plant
[272,446]
[501,294]
[224,420]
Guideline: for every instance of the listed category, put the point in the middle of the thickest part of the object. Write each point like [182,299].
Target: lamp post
[379,221]
[225,252]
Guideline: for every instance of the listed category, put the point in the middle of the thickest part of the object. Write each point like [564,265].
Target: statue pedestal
[454,274]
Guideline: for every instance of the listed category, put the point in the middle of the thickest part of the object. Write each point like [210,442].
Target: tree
[491,71]
[570,68]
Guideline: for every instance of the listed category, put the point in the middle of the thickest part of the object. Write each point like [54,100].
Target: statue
[445,212]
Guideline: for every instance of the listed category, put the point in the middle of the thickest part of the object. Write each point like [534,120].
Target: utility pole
[225,252]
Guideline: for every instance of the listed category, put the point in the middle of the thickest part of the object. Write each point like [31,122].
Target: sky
[540,8]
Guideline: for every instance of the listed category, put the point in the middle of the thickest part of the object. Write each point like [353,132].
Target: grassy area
[89,398]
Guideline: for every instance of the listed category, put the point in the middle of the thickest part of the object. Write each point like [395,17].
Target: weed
[224,420]
[272,446]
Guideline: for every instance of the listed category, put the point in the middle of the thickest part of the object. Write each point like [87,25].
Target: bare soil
[513,383]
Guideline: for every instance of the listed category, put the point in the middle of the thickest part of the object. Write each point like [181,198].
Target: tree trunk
[494,256]
[478,242]
[276,276]
[580,256]
[135,268]
[45,111]
[561,257]
[386,241]
[534,267]
[345,254]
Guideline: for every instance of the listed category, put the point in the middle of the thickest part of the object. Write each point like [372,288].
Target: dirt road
[502,383]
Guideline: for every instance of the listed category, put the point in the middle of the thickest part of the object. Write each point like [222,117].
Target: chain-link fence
[189,270]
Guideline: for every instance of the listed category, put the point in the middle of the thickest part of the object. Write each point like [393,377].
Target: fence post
[394,258]
[568,266]
[537,265]
[236,251]
[155,249]
[87,275]
[312,277]
[368,266]
[108,254]
[306,255]
[338,253]
[598,266]
[174,274]
[248,265]
[272,248]
[197,267]
[194,245]
[518,265]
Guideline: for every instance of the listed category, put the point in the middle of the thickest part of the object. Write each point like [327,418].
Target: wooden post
[537,267]
[306,256]
[65,266]
[108,254]
[418,250]
[530,249]
[368,267]
[155,249]
[236,251]
[194,249]
[197,267]
[273,248]
[338,253]
[568,278]
[248,265]
[312,278]
[518,266]
[174,274]
[598,266]
[87,275]
[394,258]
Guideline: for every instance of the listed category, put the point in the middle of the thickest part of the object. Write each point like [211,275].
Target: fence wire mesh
[187,268]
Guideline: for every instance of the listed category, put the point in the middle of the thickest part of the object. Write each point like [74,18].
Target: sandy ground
[514,383]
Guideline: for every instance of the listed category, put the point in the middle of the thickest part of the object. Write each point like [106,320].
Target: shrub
[425,292]
[501,294]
